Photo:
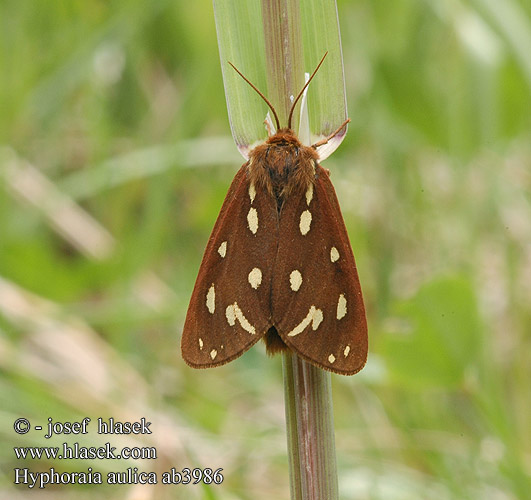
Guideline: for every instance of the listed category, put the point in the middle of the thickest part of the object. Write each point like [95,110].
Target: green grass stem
[310,430]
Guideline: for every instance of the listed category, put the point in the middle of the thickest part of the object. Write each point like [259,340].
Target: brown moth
[279,265]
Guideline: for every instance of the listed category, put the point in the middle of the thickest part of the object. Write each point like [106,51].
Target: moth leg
[322,142]
[269,126]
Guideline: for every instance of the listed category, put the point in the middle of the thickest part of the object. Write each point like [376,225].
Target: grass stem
[310,430]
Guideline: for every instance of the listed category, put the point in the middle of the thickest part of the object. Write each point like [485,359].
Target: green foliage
[115,155]
[442,341]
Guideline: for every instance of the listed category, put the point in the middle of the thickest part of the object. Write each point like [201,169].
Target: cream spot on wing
[306,220]
[200,344]
[233,313]
[334,254]
[303,324]
[213,354]
[230,314]
[252,220]
[252,192]
[341,307]
[331,358]
[314,316]
[222,250]
[295,280]
[346,351]
[255,278]
[243,320]
[317,319]
[309,194]
[211,299]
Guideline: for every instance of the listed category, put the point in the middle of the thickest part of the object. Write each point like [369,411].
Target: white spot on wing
[211,299]
[346,351]
[341,307]
[252,192]
[213,354]
[331,358]
[295,280]
[200,344]
[314,316]
[306,220]
[334,254]
[252,220]
[233,313]
[222,250]
[255,278]
[309,194]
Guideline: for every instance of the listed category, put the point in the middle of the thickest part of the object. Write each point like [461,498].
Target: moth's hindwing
[317,305]
[230,306]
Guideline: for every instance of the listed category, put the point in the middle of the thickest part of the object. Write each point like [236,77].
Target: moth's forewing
[317,305]
[230,306]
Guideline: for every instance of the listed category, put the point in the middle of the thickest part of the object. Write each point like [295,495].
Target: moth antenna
[333,134]
[259,93]
[303,89]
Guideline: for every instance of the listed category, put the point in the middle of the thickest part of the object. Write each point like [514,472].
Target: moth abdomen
[274,343]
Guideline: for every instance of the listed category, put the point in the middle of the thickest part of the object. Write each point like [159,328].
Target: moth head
[284,137]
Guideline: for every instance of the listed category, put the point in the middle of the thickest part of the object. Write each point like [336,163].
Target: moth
[278,265]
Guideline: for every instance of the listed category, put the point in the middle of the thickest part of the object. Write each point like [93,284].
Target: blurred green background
[115,156]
